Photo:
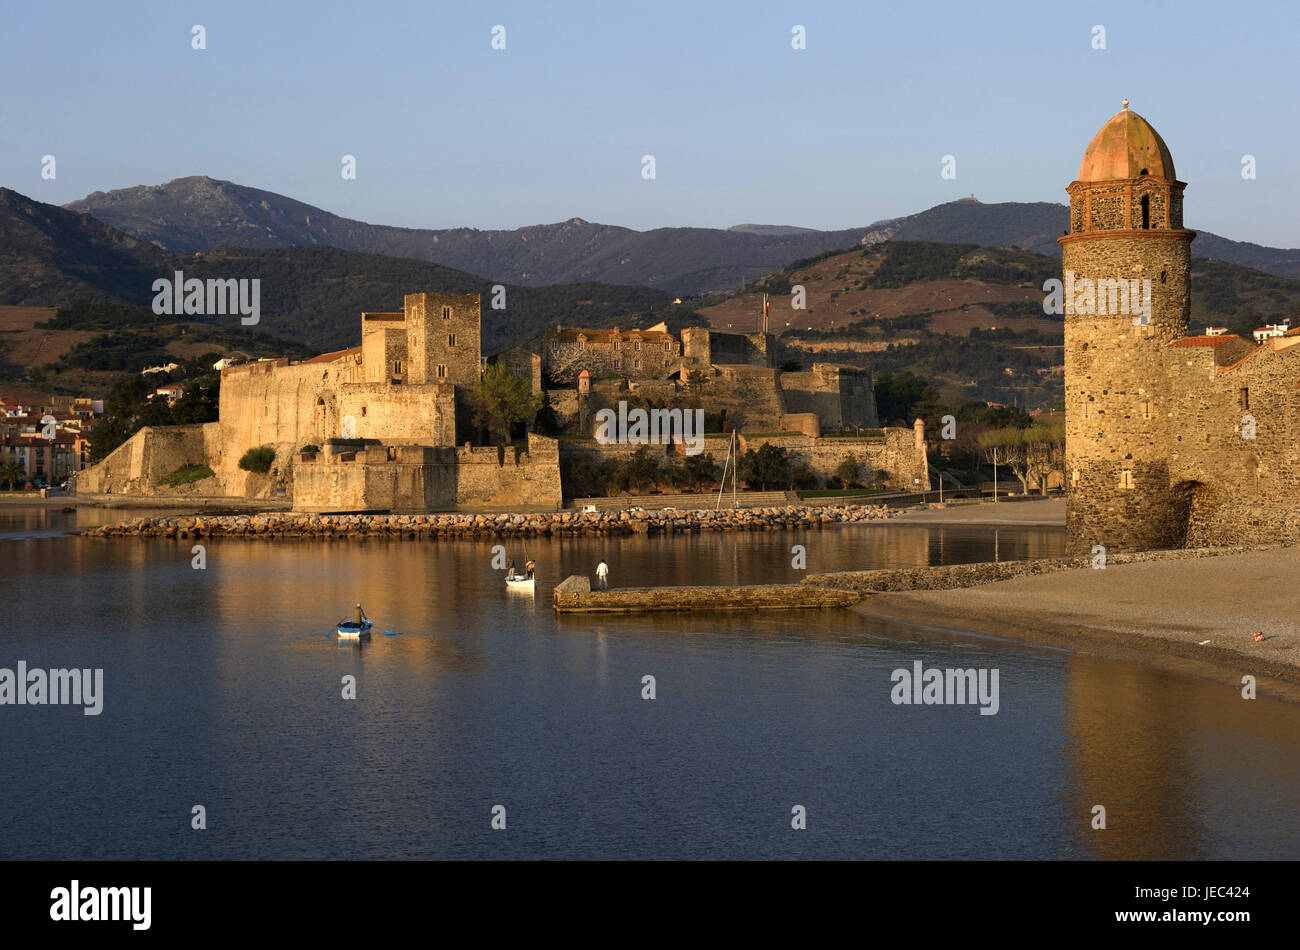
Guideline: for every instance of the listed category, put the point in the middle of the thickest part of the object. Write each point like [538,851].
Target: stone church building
[1171,440]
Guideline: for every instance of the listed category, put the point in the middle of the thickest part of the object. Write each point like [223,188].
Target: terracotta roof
[1224,369]
[1218,340]
[1125,147]
[331,357]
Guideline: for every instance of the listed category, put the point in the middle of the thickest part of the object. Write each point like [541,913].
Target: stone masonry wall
[141,463]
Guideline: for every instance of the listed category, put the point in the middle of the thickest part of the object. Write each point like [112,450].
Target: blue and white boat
[351,630]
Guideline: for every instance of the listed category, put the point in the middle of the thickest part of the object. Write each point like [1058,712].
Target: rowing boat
[350,629]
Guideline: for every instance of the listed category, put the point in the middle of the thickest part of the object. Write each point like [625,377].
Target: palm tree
[11,471]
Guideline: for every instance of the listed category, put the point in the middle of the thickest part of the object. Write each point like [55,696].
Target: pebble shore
[453,526]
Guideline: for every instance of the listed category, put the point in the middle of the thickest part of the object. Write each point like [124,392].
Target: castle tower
[442,339]
[1126,295]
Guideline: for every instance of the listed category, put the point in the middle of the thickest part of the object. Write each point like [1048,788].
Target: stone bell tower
[1126,296]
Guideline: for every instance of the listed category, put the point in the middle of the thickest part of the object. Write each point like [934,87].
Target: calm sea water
[222,689]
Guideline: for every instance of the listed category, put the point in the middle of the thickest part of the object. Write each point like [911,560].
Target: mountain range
[199,214]
[315,295]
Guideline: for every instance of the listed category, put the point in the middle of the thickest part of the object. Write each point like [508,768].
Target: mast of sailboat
[722,485]
[736,450]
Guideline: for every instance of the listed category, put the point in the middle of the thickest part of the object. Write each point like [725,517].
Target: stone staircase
[689,502]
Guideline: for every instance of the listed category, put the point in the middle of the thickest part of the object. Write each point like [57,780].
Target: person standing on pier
[602,572]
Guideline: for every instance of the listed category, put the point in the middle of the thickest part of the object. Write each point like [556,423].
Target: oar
[392,633]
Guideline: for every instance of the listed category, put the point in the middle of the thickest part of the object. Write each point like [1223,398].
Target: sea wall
[952,576]
[478,526]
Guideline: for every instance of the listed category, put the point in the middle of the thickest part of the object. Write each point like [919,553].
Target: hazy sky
[448,132]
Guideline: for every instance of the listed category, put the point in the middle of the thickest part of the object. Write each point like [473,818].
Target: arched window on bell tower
[1146,212]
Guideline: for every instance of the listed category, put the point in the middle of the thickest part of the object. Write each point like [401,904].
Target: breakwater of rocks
[452,526]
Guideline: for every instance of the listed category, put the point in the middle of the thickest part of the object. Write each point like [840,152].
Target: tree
[502,401]
[568,360]
[640,468]
[901,398]
[1044,451]
[769,465]
[199,403]
[1006,447]
[700,469]
[695,383]
[848,471]
[11,470]
[547,421]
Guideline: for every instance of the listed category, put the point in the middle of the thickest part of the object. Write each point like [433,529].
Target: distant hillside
[48,255]
[963,315]
[202,214]
[314,295]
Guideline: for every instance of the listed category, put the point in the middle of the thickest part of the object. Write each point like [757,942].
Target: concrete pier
[575,595]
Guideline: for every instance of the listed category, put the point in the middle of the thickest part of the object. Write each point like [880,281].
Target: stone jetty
[574,595]
[478,526]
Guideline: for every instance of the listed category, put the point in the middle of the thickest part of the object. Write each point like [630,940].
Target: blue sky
[448,132]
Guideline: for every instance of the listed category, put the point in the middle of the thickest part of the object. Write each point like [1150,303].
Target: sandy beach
[1031,513]
[1200,611]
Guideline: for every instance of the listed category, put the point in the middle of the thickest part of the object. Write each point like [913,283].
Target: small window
[397,367]
[616,346]
[1146,212]
[1126,479]
[637,346]
[442,370]
[446,313]
[1243,398]
[451,339]
[636,364]
[555,347]
[668,346]
[363,410]
[1163,275]
[582,344]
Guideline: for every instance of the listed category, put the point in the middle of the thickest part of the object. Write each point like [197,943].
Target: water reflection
[221,687]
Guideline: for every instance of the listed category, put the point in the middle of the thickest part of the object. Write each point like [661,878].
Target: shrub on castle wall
[257,459]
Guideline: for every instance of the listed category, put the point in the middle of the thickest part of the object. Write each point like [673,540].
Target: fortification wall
[842,397]
[397,479]
[896,451]
[486,477]
[141,463]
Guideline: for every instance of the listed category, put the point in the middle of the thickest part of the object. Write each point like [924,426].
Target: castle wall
[1238,490]
[896,451]
[532,478]
[422,478]
[382,478]
[842,397]
[141,463]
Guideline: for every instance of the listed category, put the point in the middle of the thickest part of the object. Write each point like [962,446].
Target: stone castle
[388,425]
[1171,440]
